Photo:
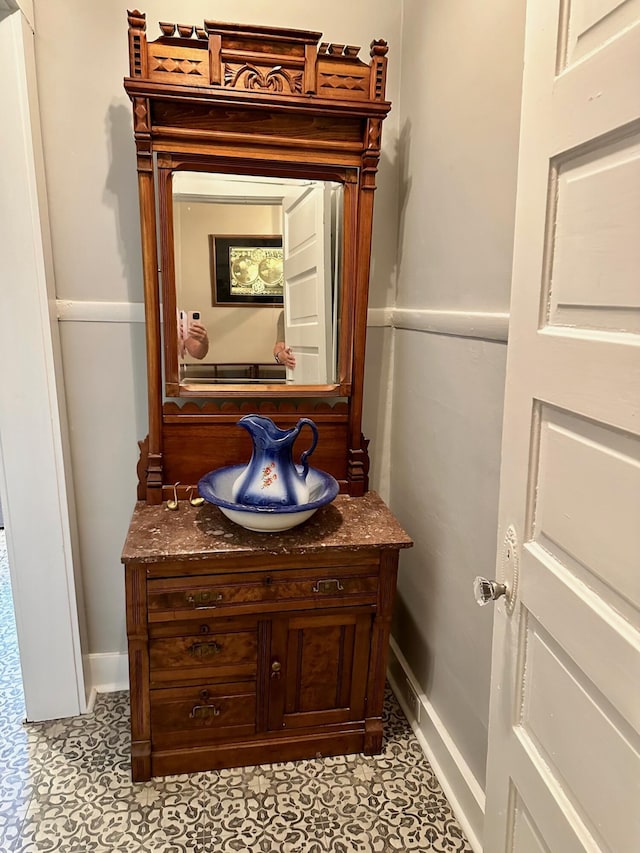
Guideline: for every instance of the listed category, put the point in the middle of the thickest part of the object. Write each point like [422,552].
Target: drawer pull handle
[203,600]
[203,650]
[332,585]
[204,712]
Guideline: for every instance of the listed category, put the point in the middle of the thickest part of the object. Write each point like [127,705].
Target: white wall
[459,122]
[82,57]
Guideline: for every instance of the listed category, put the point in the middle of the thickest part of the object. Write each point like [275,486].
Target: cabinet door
[318,668]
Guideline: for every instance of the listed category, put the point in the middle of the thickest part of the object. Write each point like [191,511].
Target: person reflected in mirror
[281,352]
[196,341]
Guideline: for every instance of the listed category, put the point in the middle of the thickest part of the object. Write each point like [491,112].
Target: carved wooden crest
[271,60]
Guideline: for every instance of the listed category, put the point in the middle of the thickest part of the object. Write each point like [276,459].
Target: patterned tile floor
[65,787]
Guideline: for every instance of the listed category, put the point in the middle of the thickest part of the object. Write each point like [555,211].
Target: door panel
[556,695]
[591,22]
[324,663]
[596,636]
[574,455]
[526,837]
[595,278]
[563,771]
[555,818]
[321,659]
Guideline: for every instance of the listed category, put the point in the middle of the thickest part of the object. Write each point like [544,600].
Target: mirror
[258,277]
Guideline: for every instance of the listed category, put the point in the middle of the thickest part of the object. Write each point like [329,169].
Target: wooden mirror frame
[262,101]
[166,165]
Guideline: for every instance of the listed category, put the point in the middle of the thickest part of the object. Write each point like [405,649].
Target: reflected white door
[307,284]
[563,770]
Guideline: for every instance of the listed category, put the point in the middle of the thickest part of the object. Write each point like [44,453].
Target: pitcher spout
[265,433]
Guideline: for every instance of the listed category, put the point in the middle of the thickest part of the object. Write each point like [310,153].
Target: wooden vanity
[249,648]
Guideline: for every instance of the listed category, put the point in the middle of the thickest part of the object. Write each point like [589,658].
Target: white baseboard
[107,673]
[460,786]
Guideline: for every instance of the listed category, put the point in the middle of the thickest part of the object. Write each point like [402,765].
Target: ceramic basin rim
[206,489]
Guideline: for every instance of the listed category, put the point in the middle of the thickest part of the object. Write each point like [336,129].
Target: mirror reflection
[257,271]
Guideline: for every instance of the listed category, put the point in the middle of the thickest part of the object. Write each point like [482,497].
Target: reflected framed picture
[246,270]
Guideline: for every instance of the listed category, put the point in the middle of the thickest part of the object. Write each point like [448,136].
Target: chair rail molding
[484,325]
[69,310]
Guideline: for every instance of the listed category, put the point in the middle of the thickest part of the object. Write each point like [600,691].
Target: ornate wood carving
[172,66]
[347,51]
[137,44]
[374,132]
[252,77]
[142,132]
[350,82]
[265,59]
[379,50]
[141,115]
[358,468]
[141,468]
[231,408]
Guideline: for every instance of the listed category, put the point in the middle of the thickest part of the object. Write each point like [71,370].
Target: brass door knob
[276,666]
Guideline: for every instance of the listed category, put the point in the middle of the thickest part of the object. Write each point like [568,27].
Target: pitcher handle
[307,453]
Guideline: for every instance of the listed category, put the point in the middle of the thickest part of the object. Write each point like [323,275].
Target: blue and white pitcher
[272,478]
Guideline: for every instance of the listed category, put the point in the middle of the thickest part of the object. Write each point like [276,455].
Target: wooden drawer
[197,715]
[187,655]
[191,597]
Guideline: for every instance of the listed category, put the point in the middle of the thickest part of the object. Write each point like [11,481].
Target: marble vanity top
[157,533]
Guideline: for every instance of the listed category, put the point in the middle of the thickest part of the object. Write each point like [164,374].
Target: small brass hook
[173,504]
[197,501]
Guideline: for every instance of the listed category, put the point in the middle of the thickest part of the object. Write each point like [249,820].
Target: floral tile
[10,827]
[16,791]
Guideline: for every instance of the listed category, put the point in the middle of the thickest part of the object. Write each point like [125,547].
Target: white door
[35,481]
[563,770]
[307,283]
